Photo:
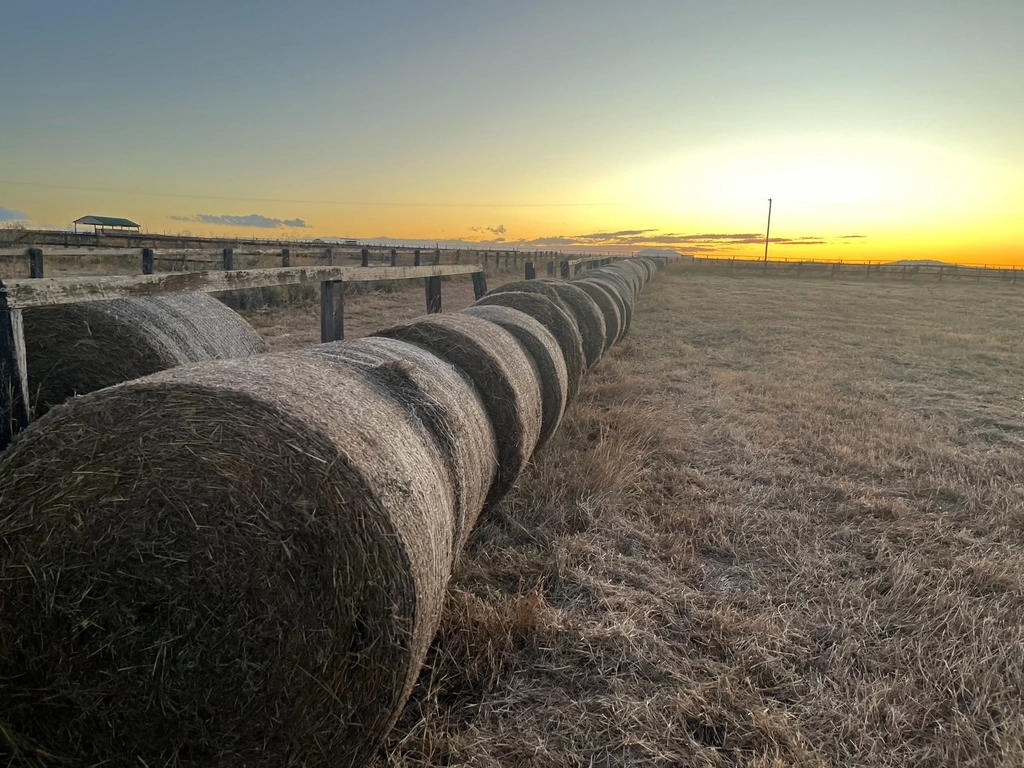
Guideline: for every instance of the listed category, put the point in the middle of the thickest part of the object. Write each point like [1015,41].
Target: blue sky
[548,119]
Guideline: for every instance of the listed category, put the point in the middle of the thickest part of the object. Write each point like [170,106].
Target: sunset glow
[881,130]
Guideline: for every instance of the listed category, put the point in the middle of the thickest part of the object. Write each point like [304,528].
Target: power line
[363,203]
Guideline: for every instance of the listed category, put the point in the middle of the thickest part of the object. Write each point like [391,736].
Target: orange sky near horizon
[882,130]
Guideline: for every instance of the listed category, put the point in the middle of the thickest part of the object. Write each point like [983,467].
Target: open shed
[101,224]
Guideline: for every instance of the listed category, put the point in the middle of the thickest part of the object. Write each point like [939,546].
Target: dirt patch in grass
[783,524]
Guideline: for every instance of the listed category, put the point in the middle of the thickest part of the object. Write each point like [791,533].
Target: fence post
[35,262]
[229,259]
[416,258]
[330,257]
[565,270]
[432,291]
[365,260]
[458,256]
[147,261]
[479,284]
[531,273]
[286,257]
[332,311]
[394,257]
[437,256]
[551,269]
[14,400]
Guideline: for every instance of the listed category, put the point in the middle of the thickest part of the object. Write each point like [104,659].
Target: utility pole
[768,231]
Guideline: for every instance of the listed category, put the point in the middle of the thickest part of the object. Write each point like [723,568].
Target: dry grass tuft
[783,526]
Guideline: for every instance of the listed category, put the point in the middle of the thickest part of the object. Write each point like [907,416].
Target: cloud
[253,220]
[851,237]
[10,214]
[498,230]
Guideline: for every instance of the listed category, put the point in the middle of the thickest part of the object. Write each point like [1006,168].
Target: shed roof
[106,221]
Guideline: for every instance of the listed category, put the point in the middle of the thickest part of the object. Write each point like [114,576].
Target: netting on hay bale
[503,373]
[547,357]
[235,563]
[609,305]
[74,349]
[444,400]
[553,316]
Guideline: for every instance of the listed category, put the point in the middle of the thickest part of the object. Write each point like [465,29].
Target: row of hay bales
[243,562]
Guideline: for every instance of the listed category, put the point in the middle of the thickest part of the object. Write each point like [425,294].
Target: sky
[881,130]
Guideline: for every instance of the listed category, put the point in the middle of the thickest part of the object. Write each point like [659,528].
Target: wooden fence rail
[18,295]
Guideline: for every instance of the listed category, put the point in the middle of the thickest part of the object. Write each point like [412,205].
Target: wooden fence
[18,295]
[855,270]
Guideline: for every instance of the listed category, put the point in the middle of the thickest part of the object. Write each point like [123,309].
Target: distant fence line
[179,259]
[855,270]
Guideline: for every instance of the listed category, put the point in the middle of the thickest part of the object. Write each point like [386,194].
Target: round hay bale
[588,317]
[503,373]
[74,349]
[530,286]
[444,401]
[620,286]
[652,268]
[547,357]
[234,563]
[557,320]
[623,279]
[620,292]
[632,273]
[609,307]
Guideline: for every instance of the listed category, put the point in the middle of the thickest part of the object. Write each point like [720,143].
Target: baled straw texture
[620,291]
[587,315]
[503,373]
[609,307]
[547,357]
[444,399]
[74,349]
[626,275]
[531,286]
[553,316]
[234,563]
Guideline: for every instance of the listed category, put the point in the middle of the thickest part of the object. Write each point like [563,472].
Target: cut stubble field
[783,524]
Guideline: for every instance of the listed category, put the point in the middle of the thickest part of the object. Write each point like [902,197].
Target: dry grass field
[782,525]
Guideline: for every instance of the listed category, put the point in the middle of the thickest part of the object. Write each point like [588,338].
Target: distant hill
[919,263]
[663,252]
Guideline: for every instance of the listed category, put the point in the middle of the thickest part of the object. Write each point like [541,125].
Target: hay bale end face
[74,349]
[235,563]
[503,373]
[556,319]
[547,357]
[444,400]
[587,315]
